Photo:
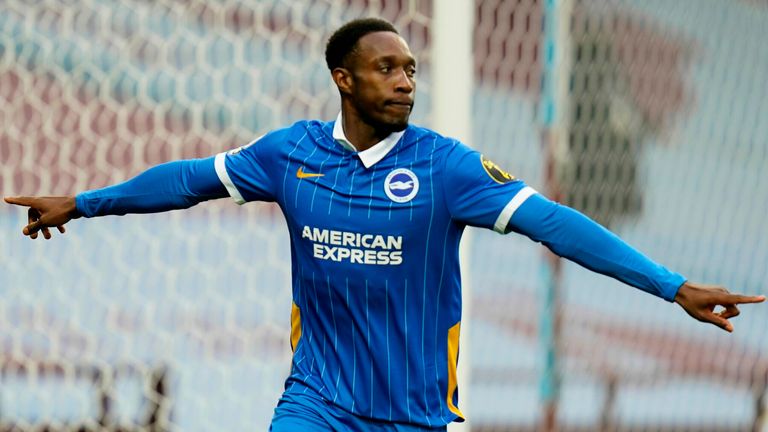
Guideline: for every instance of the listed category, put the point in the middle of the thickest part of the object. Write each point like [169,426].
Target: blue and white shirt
[374,242]
[375,256]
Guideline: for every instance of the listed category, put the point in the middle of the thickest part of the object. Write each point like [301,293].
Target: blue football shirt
[375,258]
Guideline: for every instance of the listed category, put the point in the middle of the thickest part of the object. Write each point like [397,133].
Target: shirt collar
[372,155]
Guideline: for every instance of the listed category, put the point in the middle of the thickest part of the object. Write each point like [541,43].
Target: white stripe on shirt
[221,171]
[504,217]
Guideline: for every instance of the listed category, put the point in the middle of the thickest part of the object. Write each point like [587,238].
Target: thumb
[33,227]
[719,321]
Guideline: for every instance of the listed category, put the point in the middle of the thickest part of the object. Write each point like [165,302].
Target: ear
[343,79]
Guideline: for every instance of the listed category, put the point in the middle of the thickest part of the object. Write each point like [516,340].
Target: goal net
[656,130]
[180,321]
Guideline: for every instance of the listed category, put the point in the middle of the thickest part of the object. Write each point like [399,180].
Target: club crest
[401,185]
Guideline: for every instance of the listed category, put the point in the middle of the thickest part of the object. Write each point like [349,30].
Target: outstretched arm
[572,235]
[169,186]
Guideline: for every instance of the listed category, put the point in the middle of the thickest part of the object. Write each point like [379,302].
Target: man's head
[374,71]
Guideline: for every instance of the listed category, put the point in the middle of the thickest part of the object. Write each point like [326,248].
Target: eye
[410,71]
[385,68]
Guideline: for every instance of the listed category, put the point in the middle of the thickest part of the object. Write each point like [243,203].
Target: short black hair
[343,41]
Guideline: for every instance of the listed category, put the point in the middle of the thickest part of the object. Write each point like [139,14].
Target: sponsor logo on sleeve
[401,185]
[495,172]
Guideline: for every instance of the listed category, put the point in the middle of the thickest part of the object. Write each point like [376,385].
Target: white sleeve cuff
[221,171]
[506,214]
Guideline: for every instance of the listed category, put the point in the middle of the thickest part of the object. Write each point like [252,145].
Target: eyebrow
[410,59]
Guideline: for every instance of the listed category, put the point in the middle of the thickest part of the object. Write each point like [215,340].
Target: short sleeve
[246,171]
[478,192]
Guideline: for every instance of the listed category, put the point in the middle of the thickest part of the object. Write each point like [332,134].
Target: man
[375,208]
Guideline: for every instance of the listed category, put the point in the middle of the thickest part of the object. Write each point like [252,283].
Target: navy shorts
[310,413]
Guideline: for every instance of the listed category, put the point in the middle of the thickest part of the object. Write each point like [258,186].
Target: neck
[361,134]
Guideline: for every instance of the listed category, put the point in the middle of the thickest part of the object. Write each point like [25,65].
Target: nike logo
[302,175]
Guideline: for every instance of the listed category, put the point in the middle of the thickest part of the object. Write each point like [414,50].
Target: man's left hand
[700,301]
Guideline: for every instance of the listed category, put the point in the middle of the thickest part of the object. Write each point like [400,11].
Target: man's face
[383,80]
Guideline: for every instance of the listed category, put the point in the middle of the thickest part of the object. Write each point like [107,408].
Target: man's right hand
[46,212]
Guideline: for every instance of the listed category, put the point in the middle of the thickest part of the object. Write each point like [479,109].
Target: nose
[405,83]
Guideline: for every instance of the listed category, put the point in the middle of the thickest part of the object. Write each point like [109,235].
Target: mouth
[401,105]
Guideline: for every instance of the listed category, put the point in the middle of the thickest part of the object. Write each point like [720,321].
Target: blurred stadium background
[180,321]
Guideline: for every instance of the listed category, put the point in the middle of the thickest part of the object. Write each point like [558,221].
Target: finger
[729,312]
[46,233]
[61,229]
[741,299]
[33,216]
[21,201]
